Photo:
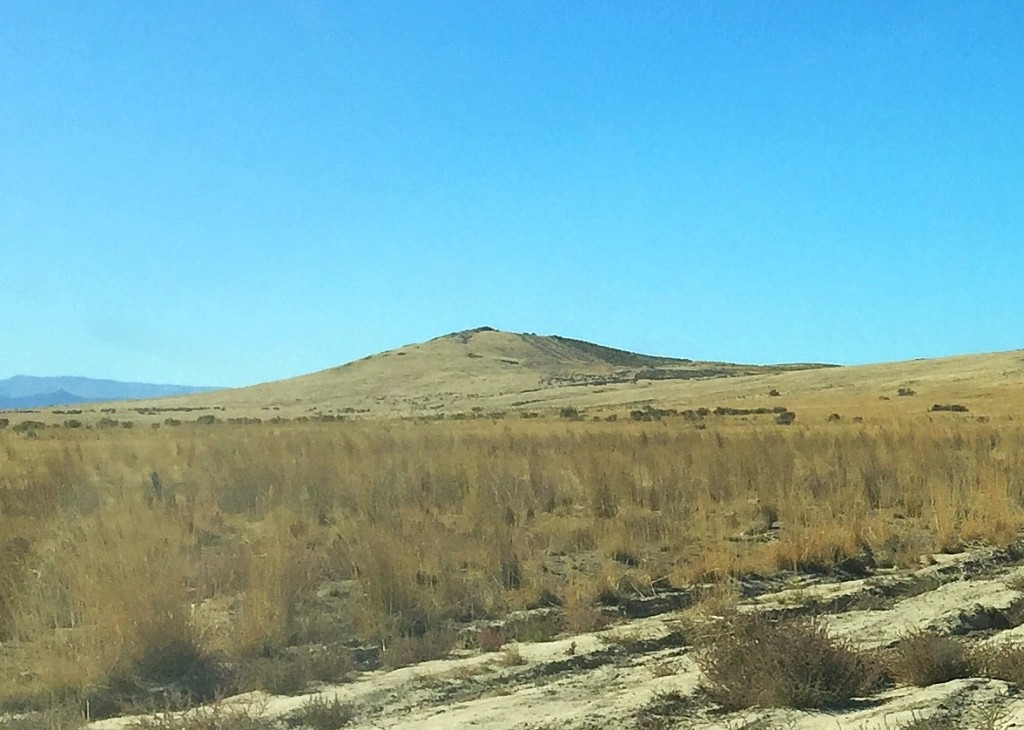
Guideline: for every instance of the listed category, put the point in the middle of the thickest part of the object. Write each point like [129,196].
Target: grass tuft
[1000,661]
[754,661]
[319,713]
[925,659]
[217,717]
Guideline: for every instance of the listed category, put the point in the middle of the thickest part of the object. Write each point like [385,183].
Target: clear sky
[232,192]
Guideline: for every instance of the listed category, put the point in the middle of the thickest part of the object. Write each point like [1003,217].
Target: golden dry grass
[134,557]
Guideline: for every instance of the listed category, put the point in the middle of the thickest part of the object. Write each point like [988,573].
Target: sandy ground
[639,674]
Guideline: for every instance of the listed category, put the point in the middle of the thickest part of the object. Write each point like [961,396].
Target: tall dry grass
[145,555]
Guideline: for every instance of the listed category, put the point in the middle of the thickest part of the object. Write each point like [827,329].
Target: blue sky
[233,192]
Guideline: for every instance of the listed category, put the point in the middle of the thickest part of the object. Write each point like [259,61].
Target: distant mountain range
[26,391]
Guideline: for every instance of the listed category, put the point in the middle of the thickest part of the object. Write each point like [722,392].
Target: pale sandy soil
[640,674]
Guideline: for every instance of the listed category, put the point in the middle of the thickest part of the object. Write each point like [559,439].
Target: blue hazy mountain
[26,391]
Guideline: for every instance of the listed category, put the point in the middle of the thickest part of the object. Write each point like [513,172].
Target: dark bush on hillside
[4,422]
[570,413]
[833,417]
[27,426]
[206,420]
[727,411]
[785,418]
[906,392]
[72,423]
[953,407]
[652,414]
[774,393]
[755,661]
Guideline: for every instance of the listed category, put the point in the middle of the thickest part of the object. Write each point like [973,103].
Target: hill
[25,391]
[477,369]
[483,371]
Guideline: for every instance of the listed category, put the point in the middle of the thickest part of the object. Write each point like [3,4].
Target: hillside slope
[481,368]
[485,372]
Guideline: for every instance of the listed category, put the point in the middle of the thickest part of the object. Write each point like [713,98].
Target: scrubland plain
[215,558]
[477,489]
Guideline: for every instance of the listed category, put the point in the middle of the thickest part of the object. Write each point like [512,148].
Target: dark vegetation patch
[665,710]
[925,659]
[785,418]
[322,714]
[750,660]
[650,413]
[1001,661]
[727,411]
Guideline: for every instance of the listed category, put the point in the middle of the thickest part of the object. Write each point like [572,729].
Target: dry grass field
[179,560]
